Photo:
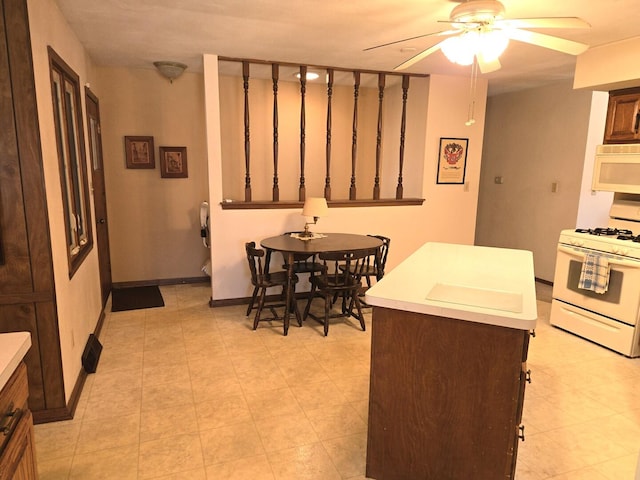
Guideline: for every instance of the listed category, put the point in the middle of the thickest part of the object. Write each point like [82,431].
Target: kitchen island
[450,335]
[17,452]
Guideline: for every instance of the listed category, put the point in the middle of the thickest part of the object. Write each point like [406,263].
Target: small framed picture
[139,152]
[173,162]
[452,160]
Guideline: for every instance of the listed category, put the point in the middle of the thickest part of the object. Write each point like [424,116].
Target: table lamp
[315,207]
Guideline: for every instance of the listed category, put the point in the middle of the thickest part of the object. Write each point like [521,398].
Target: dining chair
[335,282]
[262,279]
[374,267]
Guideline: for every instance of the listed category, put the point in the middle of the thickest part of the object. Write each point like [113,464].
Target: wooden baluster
[303,90]
[327,180]
[354,142]
[376,184]
[247,175]
[403,124]
[274,77]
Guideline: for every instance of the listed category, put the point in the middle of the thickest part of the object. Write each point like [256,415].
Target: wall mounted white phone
[204,233]
[204,223]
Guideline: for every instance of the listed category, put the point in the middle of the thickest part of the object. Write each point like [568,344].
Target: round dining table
[289,245]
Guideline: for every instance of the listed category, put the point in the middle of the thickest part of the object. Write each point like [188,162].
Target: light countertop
[488,285]
[13,347]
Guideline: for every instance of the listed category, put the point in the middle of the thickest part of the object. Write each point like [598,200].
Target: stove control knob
[576,242]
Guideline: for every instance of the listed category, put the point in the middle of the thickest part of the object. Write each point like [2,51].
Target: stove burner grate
[630,237]
[606,231]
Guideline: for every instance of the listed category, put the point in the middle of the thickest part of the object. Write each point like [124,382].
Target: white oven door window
[620,301]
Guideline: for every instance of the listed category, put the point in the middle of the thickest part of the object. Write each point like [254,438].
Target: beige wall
[78,299]
[154,226]
[448,213]
[534,138]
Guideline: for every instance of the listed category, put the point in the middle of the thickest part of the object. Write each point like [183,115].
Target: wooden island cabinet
[450,336]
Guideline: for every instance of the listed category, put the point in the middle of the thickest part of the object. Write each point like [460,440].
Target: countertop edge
[13,347]
[475,316]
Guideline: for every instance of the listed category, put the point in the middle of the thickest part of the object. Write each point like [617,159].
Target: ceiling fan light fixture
[461,49]
[488,44]
[492,44]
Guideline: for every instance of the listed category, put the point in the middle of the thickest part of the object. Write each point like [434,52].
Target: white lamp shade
[315,207]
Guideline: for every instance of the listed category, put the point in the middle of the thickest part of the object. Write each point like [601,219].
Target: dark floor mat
[135,298]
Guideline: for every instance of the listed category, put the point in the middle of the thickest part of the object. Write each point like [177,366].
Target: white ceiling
[135,33]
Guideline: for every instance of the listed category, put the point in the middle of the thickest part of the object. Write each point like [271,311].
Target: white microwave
[617,168]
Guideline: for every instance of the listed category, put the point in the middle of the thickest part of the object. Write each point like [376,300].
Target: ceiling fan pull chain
[472,94]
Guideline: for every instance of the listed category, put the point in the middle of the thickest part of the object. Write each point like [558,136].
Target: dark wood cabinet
[446,397]
[27,292]
[623,117]
[17,456]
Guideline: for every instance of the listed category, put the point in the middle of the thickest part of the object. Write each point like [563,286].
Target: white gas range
[606,310]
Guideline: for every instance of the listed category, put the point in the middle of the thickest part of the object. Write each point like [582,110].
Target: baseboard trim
[68,412]
[161,281]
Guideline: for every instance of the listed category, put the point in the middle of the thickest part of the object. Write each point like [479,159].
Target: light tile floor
[191,392]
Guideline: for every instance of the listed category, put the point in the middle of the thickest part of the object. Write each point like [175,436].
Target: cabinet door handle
[521,432]
[528,376]
[9,420]
[637,122]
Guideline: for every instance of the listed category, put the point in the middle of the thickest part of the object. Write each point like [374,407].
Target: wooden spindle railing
[303,91]
[354,140]
[376,182]
[403,126]
[275,194]
[247,162]
[327,179]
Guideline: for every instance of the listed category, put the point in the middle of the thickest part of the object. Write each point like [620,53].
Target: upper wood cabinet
[623,117]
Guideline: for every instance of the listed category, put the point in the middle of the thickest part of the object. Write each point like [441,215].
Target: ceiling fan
[481,33]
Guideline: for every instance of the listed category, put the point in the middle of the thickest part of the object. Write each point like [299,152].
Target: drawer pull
[521,432]
[9,420]
[528,376]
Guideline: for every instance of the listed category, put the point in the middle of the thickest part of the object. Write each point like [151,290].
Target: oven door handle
[576,252]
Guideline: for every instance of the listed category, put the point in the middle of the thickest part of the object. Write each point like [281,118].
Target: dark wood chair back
[381,259]
[261,279]
[341,276]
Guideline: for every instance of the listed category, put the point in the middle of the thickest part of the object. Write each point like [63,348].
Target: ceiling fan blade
[549,22]
[547,41]
[416,58]
[434,34]
[487,66]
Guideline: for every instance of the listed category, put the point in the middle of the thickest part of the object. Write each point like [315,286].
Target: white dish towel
[595,273]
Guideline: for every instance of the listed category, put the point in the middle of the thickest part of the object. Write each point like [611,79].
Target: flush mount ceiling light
[310,75]
[170,70]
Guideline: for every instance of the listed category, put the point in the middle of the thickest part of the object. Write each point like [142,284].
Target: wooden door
[99,194]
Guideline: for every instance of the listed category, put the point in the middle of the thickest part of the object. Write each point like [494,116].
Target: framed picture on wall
[139,152]
[173,162]
[452,160]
